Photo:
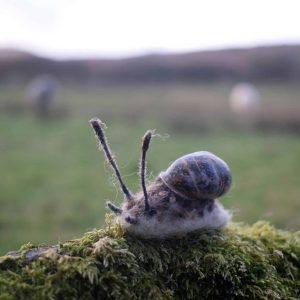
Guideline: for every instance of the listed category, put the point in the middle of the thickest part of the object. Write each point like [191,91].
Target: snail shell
[198,175]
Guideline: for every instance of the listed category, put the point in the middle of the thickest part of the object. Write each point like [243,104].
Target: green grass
[54,182]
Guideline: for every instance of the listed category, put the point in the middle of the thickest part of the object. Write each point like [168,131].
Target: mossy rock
[240,262]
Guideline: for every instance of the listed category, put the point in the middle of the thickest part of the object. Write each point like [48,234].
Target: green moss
[241,262]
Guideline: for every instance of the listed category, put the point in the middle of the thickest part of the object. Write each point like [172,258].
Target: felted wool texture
[172,215]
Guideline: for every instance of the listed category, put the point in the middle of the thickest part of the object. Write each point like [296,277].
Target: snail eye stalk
[145,146]
[97,126]
[114,208]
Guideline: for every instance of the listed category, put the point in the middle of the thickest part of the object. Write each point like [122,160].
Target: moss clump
[241,262]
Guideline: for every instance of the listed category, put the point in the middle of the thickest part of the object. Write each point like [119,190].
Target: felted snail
[180,200]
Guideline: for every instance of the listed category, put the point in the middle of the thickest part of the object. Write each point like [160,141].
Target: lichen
[240,262]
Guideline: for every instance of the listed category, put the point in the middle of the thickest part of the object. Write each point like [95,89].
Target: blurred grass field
[54,182]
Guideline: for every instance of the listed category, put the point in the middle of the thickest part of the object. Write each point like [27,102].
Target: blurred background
[222,77]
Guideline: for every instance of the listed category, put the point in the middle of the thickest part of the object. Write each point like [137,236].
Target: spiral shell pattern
[198,175]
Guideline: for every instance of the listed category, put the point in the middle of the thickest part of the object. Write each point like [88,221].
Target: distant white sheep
[244,98]
[42,92]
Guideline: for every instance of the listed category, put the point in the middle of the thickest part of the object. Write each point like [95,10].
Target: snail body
[180,200]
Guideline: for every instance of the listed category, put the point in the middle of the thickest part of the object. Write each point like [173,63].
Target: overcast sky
[81,28]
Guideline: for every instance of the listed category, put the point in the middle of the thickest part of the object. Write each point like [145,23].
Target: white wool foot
[151,227]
